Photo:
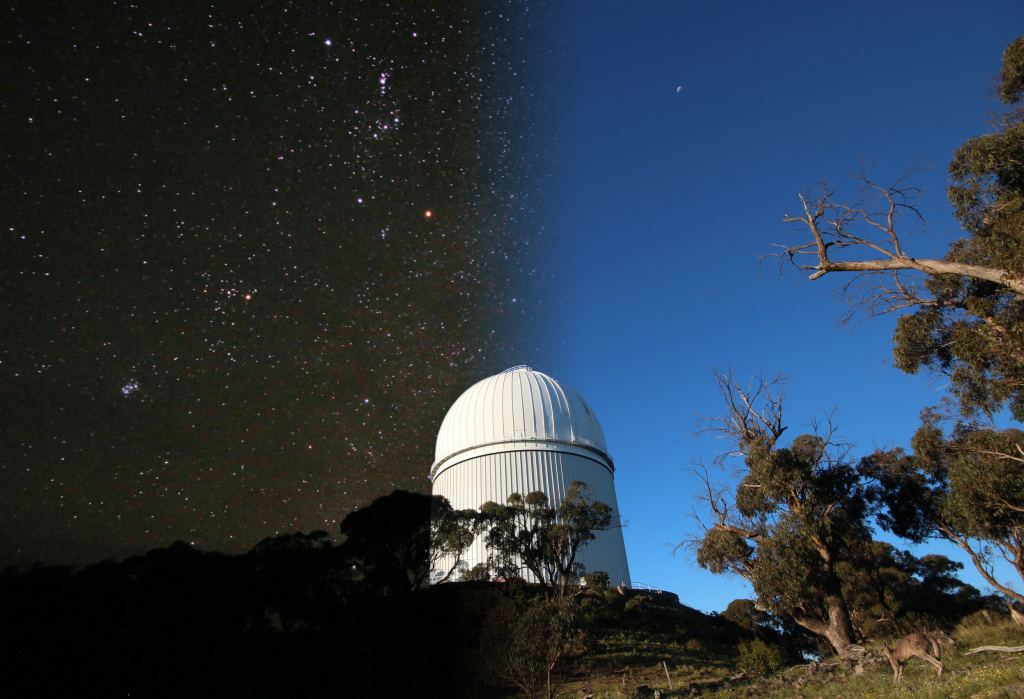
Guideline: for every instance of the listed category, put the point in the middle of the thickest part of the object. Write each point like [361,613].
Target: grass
[630,654]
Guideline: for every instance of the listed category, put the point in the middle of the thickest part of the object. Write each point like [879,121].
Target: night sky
[251,252]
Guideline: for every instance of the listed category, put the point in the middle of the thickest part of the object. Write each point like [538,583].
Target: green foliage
[758,656]
[790,575]
[801,510]
[527,533]
[1011,79]
[724,551]
[745,614]
[597,580]
[986,486]
[892,592]
[973,330]
[964,488]
[451,534]
[801,534]
[480,572]
[634,605]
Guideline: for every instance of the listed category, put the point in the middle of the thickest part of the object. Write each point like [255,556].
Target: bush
[758,656]
[597,611]
[479,572]
[635,605]
[695,645]
[596,581]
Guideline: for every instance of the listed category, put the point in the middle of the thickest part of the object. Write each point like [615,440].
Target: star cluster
[251,253]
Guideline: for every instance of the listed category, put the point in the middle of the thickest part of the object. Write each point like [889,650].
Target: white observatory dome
[519,432]
[518,405]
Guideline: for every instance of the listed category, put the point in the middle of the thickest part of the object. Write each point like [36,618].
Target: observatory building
[518,432]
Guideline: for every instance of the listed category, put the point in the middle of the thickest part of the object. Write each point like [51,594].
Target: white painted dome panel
[517,405]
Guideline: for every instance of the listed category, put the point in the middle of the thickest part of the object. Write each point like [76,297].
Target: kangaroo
[911,645]
[937,639]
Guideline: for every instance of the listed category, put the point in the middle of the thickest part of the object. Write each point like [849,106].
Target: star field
[251,253]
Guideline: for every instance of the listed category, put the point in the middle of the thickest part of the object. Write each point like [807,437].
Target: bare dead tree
[863,239]
[753,412]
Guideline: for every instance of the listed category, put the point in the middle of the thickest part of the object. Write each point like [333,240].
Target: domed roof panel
[518,404]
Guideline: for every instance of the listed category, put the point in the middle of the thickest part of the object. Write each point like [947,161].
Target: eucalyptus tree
[962,314]
[797,513]
[452,532]
[530,534]
[966,488]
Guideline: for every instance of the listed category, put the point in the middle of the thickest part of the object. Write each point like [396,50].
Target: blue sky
[665,199]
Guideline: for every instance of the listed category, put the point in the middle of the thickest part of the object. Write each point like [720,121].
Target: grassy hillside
[702,654]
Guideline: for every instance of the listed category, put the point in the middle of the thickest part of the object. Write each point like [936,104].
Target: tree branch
[962,542]
[997,649]
[833,226]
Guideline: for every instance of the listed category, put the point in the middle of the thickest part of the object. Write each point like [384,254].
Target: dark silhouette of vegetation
[534,642]
[387,542]
[296,616]
[301,615]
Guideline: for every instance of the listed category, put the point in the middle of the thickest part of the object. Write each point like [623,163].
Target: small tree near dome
[451,534]
[529,535]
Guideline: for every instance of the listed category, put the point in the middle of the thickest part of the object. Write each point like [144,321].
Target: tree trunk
[838,630]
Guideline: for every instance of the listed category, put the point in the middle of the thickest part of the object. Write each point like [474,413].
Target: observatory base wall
[493,477]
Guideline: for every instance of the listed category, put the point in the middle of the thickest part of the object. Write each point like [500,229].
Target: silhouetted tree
[387,542]
[530,534]
[533,643]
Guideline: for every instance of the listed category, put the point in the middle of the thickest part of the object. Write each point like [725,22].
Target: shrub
[635,605]
[695,645]
[596,581]
[478,572]
[758,656]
